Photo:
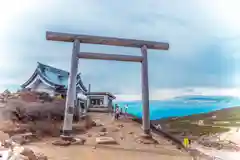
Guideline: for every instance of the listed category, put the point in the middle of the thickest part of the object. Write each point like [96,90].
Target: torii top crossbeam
[67,37]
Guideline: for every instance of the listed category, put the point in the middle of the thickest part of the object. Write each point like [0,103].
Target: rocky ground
[114,140]
[106,139]
[30,129]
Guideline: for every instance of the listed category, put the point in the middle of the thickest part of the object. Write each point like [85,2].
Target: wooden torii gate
[76,54]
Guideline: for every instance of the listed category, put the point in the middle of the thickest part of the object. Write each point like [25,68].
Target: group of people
[118,111]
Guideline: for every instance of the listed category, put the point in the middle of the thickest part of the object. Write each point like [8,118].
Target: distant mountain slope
[182,106]
[200,124]
[226,114]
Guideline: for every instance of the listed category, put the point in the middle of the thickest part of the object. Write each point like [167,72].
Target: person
[117,112]
[112,110]
[83,108]
[125,109]
[121,111]
[159,126]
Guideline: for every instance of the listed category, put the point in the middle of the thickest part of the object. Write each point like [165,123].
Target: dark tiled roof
[54,76]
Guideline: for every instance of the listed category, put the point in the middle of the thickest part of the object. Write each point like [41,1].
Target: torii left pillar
[145,91]
[71,92]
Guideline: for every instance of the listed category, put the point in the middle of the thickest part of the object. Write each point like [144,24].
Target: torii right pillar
[145,92]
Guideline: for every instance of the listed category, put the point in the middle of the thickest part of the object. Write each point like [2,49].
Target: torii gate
[76,54]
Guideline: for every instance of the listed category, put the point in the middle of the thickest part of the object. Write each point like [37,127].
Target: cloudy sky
[204,38]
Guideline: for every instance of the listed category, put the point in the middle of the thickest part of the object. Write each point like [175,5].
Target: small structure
[100,101]
[52,81]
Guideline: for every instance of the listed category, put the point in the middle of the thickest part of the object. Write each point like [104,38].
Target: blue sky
[204,39]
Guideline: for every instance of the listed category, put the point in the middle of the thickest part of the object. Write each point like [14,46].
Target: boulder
[21,153]
[28,153]
[78,141]
[89,123]
[103,129]
[9,144]
[121,136]
[94,124]
[120,125]
[61,143]
[105,140]
[97,123]
[24,138]
[115,129]
[89,134]
[102,133]
[41,156]
[146,139]
[18,139]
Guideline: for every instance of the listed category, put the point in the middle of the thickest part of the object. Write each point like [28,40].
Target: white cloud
[163,94]
[191,27]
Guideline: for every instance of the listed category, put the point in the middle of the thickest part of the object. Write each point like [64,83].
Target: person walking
[112,110]
[117,113]
[125,110]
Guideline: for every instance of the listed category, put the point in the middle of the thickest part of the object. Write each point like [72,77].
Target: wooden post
[71,92]
[145,91]
[88,97]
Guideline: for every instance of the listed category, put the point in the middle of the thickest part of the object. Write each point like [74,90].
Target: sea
[181,106]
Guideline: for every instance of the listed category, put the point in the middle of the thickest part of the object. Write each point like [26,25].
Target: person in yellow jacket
[186,142]
[59,96]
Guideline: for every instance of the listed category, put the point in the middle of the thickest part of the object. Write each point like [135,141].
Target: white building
[100,101]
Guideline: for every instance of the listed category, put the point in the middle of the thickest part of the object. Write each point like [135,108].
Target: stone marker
[61,143]
[105,140]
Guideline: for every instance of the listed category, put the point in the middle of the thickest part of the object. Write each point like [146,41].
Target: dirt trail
[127,149]
[87,152]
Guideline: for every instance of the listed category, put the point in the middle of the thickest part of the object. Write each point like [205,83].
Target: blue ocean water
[182,106]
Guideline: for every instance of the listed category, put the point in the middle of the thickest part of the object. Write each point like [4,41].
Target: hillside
[231,115]
[202,124]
